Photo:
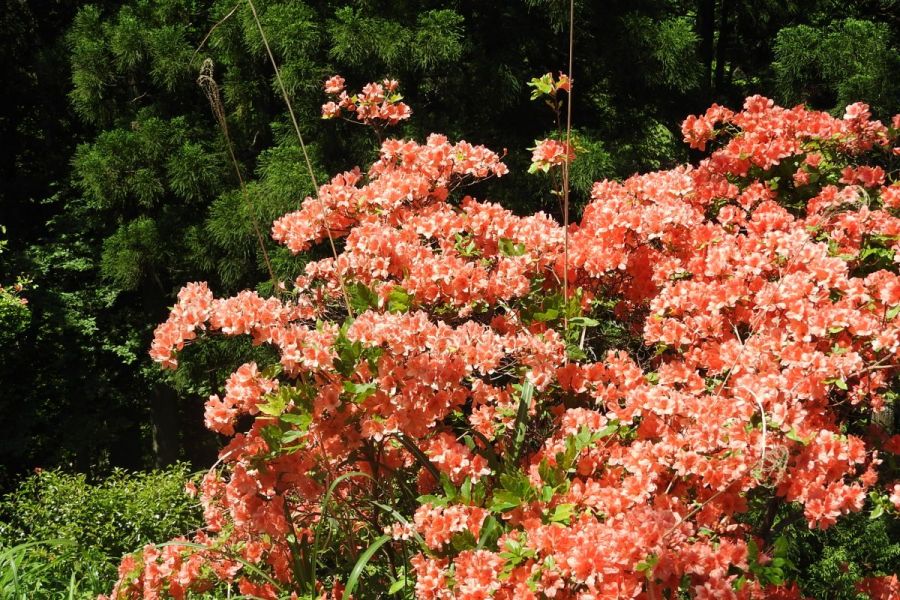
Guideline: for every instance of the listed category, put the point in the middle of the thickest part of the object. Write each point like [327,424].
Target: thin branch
[312,174]
[213,28]
[566,170]
[209,86]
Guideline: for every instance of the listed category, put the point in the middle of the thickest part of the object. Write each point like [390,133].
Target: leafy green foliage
[138,166]
[14,316]
[60,533]
[832,561]
[593,162]
[130,251]
[14,313]
[434,39]
[668,47]
[839,63]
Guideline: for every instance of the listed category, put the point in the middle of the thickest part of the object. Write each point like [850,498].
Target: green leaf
[608,430]
[432,499]
[466,246]
[504,500]
[398,300]
[490,531]
[360,391]
[272,435]
[752,551]
[272,371]
[449,488]
[584,322]
[275,406]
[291,435]
[646,565]
[562,513]
[549,474]
[361,297]
[575,352]
[302,420]
[521,424]
[548,315]
[361,564]
[509,248]
[547,493]
[543,86]
[792,435]
[465,491]
[462,541]
[396,587]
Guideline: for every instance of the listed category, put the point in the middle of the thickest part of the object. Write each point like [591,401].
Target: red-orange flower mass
[730,335]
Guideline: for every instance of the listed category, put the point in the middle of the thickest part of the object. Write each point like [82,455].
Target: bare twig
[208,84]
[566,170]
[312,174]
[213,28]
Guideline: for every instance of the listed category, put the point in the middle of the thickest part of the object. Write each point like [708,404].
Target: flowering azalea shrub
[444,423]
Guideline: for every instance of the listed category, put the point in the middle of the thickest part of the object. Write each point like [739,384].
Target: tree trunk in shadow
[165,408]
[725,24]
[128,450]
[201,446]
[164,424]
[706,16]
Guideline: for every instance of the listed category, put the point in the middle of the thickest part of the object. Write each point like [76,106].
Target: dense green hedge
[60,533]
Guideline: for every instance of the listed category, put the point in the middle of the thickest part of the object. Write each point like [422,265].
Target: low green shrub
[63,537]
[831,562]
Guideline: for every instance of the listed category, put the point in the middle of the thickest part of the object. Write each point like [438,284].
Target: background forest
[117,188]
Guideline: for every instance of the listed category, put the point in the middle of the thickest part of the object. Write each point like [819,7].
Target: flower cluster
[243,391]
[549,85]
[376,104]
[406,178]
[730,338]
[550,153]
[190,313]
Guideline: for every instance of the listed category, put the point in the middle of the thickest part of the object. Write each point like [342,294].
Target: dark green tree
[120,185]
[835,63]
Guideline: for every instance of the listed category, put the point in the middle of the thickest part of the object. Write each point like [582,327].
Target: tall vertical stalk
[312,175]
[566,165]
